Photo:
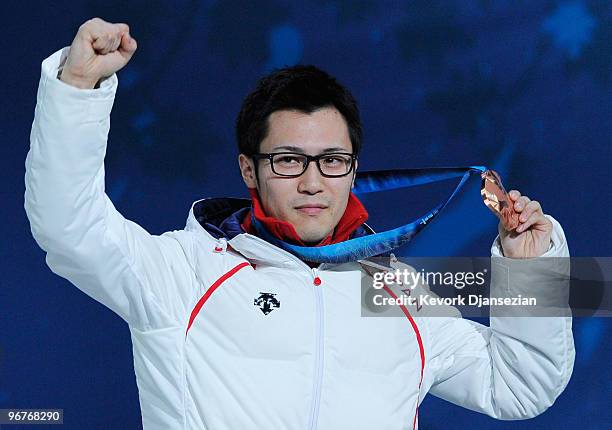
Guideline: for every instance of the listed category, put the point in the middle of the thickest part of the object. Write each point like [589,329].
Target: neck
[354,215]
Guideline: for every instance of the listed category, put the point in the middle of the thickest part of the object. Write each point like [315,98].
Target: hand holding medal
[524,231]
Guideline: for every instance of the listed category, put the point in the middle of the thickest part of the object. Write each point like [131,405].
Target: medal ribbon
[386,241]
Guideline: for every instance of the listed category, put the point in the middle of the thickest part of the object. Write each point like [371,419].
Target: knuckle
[91,22]
[85,26]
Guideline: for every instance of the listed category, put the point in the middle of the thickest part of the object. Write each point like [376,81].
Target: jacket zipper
[318,372]
[318,368]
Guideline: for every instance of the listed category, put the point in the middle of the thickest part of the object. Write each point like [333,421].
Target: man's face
[295,199]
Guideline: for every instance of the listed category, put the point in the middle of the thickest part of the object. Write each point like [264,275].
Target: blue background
[521,86]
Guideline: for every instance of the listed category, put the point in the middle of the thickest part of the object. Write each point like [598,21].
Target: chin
[311,237]
[311,231]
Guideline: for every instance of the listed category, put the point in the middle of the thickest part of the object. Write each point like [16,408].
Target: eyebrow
[301,150]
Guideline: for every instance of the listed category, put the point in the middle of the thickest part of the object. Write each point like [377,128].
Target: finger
[535,218]
[128,46]
[123,27]
[95,29]
[116,43]
[100,41]
[514,194]
[118,37]
[106,43]
[521,203]
[532,206]
[98,28]
[104,34]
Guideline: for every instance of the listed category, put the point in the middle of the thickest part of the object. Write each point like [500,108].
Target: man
[230,331]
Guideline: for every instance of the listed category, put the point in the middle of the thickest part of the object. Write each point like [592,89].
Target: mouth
[311,209]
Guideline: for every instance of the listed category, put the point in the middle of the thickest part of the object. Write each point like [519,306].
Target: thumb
[501,230]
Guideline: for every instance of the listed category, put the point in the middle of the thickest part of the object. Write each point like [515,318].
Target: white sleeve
[145,279]
[517,367]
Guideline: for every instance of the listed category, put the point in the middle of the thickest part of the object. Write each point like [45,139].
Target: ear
[247,170]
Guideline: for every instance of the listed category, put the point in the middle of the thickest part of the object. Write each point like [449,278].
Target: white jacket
[241,337]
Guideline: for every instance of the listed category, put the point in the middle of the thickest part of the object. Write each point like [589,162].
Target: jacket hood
[221,217]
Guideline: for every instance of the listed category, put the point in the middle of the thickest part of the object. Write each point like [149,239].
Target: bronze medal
[497,199]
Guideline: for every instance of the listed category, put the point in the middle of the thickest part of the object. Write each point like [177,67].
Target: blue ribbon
[386,241]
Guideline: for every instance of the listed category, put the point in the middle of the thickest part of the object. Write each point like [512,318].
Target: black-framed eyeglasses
[293,164]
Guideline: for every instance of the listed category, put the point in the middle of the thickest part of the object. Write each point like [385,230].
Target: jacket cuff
[77,104]
[557,248]
[545,279]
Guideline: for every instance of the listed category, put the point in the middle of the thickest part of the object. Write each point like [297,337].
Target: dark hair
[303,88]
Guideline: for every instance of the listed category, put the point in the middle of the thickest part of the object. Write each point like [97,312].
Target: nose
[311,181]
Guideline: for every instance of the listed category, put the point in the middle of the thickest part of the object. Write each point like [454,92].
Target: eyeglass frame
[309,158]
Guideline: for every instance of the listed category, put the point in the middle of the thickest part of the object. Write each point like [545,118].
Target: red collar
[354,215]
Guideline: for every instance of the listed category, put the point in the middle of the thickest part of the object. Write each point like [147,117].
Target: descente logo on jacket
[267,302]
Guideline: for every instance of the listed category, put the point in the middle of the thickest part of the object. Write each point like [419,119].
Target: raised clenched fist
[98,50]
